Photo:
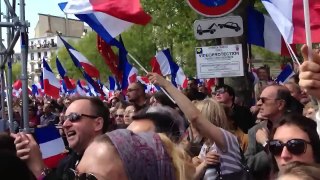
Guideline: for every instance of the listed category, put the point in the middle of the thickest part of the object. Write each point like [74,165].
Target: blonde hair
[301,171]
[184,169]
[214,112]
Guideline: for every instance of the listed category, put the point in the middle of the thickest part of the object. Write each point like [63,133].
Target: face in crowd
[134,92]
[119,116]
[128,113]
[295,139]
[81,125]
[222,96]
[263,74]
[270,105]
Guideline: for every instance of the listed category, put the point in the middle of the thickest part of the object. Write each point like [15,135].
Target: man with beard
[137,96]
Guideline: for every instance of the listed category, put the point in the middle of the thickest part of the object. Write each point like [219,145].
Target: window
[39,65]
[52,43]
[32,56]
[45,54]
[39,55]
[32,67]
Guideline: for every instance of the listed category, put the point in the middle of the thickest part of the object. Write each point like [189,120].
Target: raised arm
[195,117]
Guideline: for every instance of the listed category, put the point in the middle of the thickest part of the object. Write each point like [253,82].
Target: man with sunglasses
[273,103]
[84,119]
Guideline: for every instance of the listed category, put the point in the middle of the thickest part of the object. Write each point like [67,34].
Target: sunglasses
[82,176]
[119,115]
[219,91]
[294,146]
[73,117]
[264,99]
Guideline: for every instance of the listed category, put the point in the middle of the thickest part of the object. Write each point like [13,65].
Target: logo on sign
[214,8]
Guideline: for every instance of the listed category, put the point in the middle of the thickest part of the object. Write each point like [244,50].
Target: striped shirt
[230,160]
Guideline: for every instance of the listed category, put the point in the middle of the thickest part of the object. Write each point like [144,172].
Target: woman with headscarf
[124,155]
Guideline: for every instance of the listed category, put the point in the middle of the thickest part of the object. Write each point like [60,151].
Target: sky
[32,9]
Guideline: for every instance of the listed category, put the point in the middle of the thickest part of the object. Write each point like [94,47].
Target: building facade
[46,41]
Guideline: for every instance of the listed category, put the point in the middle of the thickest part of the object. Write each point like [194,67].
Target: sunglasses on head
[82,176]
[294,146]
[73,117]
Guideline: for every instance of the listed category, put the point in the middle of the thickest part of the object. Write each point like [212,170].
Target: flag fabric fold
[80,60]
[63,74]
[108,18]
[50,82]
[285,74]
[288,15]
[263,32]
[51,145]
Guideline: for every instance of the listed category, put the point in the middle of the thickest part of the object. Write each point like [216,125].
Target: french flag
[51,145]
[288,15]
[80,90]
[81,61]
[108,18]
[285,74]
[17,84]
[63,74]
[263,32]
[129,75]
[163,64]
[50,82]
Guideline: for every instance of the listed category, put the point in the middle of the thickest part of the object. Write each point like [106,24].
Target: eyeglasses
[73,117]
[264,99]
[119,115]
[219,91]
[82,176]
[130,90]
[294,146]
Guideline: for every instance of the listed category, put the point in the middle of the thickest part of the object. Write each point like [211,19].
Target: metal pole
[1,74]
[24,74]
[9,81]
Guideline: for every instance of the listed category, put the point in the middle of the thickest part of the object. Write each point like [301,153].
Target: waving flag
[108,18]
[129,75]
[163,64]
[50,82]
[288,15]
[51,145]
[80,90]
[263,32]
[81,61]
[63,74]
[94,85]
[285,74]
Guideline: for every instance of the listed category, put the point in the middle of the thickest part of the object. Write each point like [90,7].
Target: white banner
[219,61]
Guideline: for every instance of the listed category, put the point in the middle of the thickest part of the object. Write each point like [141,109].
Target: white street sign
[219,61]
[230,26]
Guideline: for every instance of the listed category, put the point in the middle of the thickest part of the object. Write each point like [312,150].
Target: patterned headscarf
[143,155]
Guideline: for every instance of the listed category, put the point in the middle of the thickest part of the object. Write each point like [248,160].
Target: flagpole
[292,54]
[307,27]
[144,69]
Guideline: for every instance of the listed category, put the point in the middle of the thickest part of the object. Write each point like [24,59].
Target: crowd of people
[194,135]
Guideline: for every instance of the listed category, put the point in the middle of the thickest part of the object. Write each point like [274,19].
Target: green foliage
[16,71]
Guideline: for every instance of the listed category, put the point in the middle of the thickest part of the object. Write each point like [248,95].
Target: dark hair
[12,167]
[7,143]
[228,89]
[163,119]
[163,99]
[291,105]
[98,108]
[307,125]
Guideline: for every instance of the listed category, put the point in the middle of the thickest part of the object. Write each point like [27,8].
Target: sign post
[219,61]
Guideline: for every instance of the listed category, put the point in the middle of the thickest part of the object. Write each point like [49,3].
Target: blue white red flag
[108,18]
[50,82]
[51,145]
